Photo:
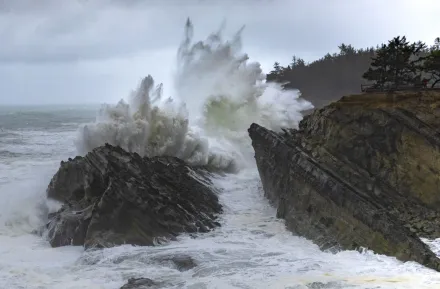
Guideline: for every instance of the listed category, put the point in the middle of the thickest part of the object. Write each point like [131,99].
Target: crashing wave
[219,94]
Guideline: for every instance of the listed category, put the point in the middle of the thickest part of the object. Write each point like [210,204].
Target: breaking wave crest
[218,95]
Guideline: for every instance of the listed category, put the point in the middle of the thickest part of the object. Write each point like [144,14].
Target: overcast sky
[92,51]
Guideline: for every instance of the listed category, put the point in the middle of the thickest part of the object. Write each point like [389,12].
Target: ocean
[252,249]
[219,95]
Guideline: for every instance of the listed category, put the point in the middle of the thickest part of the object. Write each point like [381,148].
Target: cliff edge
[361,172]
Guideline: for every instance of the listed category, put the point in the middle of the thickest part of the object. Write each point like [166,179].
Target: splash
[218,95]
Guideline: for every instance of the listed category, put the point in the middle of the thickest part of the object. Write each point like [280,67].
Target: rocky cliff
[112,197]
[361,172]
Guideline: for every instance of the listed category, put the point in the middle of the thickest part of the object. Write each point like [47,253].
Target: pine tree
[396,64]
[431,66]
[379,70]
[297,62]
[300,62]
[293,63]
[345,49]
[276,73]
[276,67]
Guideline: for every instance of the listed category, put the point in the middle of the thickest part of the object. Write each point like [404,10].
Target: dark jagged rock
[179,262]
[361,172]
[140,283]
[113,197]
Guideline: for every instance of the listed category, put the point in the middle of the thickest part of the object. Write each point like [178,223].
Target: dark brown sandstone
[361,172]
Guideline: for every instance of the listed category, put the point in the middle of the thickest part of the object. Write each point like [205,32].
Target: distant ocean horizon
[49,105]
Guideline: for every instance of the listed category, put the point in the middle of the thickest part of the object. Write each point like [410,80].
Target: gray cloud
[69,50]
[56,31]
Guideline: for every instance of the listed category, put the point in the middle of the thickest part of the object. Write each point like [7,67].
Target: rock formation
[140,283]
[361,172]
[112,197]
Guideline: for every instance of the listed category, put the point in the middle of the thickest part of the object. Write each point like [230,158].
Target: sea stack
[112,197]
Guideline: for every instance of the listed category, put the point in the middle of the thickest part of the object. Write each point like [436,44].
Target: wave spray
[218,95]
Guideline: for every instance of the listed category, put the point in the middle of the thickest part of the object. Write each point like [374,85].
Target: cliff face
[361,172]
[113,197]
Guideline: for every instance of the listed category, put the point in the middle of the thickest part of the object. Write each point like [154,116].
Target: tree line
[395,64]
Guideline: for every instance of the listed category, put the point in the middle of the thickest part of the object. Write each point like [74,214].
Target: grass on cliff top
[391,99]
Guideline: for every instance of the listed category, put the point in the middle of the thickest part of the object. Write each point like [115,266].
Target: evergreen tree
[431,66]
[346,49]
[300,62]
[436,45]
[396,63]
[326,79]
[277,67]
[378,72]
[294,62]
[276,73]
[297,62]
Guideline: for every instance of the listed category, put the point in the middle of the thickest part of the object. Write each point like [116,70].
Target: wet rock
[180,262]
[329,285]
[112,197]
[361,172]
[140,283]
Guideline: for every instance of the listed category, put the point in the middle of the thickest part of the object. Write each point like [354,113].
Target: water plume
[218,95]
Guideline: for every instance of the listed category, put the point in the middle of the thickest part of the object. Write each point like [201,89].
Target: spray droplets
[219,94]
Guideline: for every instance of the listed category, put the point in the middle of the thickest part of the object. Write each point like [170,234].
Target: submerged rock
[361,172]
[113,197]
[140,283]
[179,262]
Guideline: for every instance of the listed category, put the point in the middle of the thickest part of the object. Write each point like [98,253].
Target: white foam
[25,176]
[252,249]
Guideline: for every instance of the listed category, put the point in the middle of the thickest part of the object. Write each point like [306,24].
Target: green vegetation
[389,66]
[432,63]
[396,64]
